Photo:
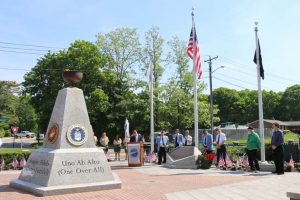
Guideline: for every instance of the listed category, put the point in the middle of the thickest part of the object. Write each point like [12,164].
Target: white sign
[134,151]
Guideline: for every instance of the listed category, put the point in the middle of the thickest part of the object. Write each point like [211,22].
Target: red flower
[210,156]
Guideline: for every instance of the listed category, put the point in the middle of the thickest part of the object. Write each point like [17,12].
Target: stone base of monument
[266,167]
[183,157]
[61,171]
[39,190]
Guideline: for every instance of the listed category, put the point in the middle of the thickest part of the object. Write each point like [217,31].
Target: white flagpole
[260,106]
[151,108]
[195,84]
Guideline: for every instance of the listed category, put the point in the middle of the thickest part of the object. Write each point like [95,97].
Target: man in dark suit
[207,141]
[136,137]
[277,142]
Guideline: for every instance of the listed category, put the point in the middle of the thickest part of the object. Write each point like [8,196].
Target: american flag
[23,162]
[238,162]
[221,163]
[245,160]
[190,52]
[228,161]
[2,163]
[15,163]
[291,163]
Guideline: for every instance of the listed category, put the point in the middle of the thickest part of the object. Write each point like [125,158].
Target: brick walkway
[148,182]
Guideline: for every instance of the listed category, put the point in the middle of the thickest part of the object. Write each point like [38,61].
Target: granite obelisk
[69,161]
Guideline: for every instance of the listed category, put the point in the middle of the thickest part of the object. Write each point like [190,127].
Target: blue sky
[224,28]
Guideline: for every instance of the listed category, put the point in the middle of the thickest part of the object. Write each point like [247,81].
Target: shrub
[235,151]
[37,145]
[7,133]
[2,132]
[9,154]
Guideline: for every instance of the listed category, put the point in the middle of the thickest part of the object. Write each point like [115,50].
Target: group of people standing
[117,142]
[162,145]
[253,146]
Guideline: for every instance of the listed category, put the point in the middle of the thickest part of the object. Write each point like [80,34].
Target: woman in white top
[104,142]
[117,147]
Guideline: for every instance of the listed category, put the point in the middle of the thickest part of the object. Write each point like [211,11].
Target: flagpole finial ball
[256,23]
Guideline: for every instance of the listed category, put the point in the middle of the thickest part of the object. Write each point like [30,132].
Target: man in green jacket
[253,145]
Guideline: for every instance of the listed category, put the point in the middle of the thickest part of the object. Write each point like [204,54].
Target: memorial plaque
[183,157]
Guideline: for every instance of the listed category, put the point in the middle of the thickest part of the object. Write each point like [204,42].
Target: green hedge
[10,153]
[234,151]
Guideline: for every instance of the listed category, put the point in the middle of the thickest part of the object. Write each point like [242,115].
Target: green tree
[26,115]
[289,104]
[228,103]
[122,47]
[8,97]
[271,103]
[152,52]
[178,93]
[44,81]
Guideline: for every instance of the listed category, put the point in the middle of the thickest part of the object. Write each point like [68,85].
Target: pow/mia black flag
[262,72]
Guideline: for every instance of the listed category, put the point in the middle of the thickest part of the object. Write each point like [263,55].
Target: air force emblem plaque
[77,135]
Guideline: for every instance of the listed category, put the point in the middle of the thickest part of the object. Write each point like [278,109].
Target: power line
[252,73]
[4,47]
[235,63]
[230,83]
[21,52]
[268,79]
[13,69]
[30,45]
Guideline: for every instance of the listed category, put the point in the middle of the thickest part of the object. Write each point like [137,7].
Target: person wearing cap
[220,142]
[253,145]
[277,142]
[207,141]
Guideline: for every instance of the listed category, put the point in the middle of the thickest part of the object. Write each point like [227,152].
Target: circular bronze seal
[53,134]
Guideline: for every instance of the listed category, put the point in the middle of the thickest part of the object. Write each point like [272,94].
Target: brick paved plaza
[157,182]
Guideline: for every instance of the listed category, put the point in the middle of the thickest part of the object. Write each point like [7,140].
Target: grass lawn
[14,150]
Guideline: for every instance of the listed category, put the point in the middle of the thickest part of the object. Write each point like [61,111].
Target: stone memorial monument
[69,161]
[183,157]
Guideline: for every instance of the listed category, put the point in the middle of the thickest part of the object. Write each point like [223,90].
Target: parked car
[25,134]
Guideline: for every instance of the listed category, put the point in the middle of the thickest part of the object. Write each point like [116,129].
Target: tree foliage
[114,92]
[44,81]
[289,103]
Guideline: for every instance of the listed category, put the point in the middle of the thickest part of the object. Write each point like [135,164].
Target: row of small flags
[152,158]
[15,163]
[244,161]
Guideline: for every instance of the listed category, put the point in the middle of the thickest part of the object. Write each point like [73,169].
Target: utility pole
[209,61]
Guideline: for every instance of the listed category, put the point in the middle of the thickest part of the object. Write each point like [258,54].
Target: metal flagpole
[195,84]
[151,108]
[260,106]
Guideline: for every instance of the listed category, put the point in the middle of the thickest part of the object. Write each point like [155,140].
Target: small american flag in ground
[190,52]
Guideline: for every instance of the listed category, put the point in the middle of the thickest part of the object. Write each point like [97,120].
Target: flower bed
[205,161]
